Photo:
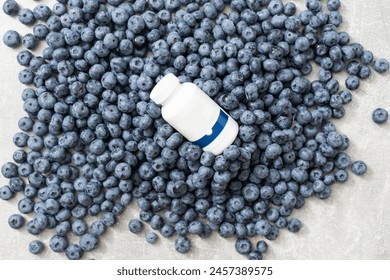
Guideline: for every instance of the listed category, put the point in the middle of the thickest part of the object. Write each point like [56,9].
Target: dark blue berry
[135,226]
[36,247]
[380,116]
[182,244]
[381,65]
[16,221]
[11,39]
[359,167]
[151,237]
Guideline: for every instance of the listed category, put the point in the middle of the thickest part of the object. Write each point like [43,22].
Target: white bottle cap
[164,88]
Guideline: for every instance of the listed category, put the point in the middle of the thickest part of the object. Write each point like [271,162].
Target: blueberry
[255,255]
[26,76]
[94,210]
[381,65]
[58,243]
[156,223]
[334,139]
[182,244]
[273,151]
[300,85]
[9,170]
[195,227]
[123,171]
[359,167]
[346,96]
[289,199]
[302,44]
[263,227]
[16,221]
[79,227]
[40,221]
[42,12]
[151,238]
[189,216]
[181,227]
[88,242]
[108,219]
[251,192]
[11,39]
[63,227]
[272,214]
[135,226]
[243,246]
[353,67]
[333,5]
[6,193]
[90,6]
[380,116]
[319,186]
[341,175]
[120,16]
[299,175]
[274,233]
[11,7]
[367,57]
[275,7]
[26,16]
[215,215]
[167,230]
[25,205]
[262,247]
[294,225]
[52,206]
[59,9]
[55,40]
[365,72]
[74,252]
[36,247]
[266,192]
[343,161]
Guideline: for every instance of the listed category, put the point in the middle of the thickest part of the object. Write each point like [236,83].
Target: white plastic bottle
[194,114]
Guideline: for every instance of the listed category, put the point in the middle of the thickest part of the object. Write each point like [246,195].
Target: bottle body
[197,117]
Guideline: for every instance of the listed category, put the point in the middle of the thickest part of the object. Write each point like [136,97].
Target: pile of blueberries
[92,140]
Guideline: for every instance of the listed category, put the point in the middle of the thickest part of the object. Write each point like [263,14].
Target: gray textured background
[352,224]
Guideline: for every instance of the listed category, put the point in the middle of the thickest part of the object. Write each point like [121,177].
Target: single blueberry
[135,226]
[36,247]
[380,116]
[359,167]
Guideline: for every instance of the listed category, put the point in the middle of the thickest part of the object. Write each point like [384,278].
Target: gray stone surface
[353,224]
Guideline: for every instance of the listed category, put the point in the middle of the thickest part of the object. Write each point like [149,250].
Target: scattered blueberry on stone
[36,247]
[380,116]
[16,221]
[359,167]
[10,7]
[92,141]
[381,65]
[135,226]
[151,237]
[11,39]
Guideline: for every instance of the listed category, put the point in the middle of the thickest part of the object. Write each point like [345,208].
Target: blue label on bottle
[216,130]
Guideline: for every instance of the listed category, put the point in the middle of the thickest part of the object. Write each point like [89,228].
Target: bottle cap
[164,88]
